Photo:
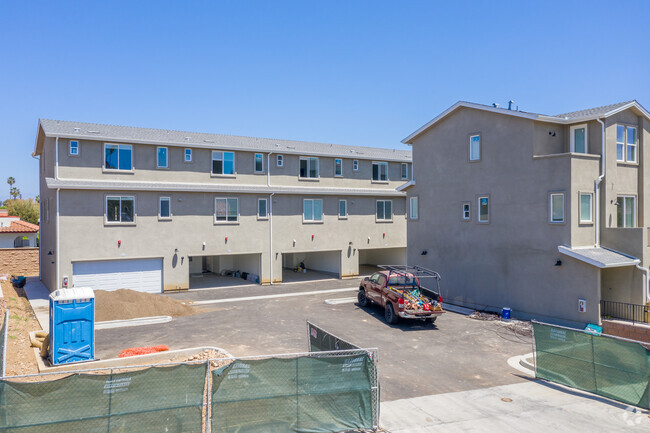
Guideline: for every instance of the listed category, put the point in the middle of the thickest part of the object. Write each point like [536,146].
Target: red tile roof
[20,227]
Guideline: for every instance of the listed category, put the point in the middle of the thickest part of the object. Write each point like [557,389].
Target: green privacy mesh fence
[4,332]
[610,367]
[321,340]
[304,394]
[161,399]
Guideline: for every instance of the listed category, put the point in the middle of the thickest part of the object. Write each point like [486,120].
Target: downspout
[58,190]
[647,281]
[40,214]
[598,182]
[268,183]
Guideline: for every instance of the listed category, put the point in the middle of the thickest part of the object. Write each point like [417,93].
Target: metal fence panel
[4,331]
[602,365]
[304,394]
[321,340]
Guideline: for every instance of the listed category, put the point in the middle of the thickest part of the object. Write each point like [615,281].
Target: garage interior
[319,264]
[224,270]
[369,259]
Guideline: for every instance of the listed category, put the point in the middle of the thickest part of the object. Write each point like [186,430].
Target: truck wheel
[363,300]
[389,314]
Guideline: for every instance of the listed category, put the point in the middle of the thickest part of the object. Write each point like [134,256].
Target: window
[308,168]
[226,210]
[162,157]
[474,147]
[626,143]
[405,170]
[312,210]
[556,203]
[343,209]
[188,155]
[579,138]
[384,210]
[262,212]
[466,214]
[223,162]
[165,207]
[626,211]
[120,209]
[118,157]
[413,208]
[259,163]
[586,206]
[355,165]
[74,148]
[279,160]
[483,209]
[380,171]
[338,167]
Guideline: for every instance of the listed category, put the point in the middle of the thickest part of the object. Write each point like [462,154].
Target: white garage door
[142,275]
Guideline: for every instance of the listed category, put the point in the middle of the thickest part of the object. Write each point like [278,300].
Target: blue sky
[348,72]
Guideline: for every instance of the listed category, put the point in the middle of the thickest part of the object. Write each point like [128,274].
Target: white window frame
[313,220]
[261,155]
[345,206]
[384,219]
[404,171]
[380,164]
[227,210]
[119,147]
[76,148]
[223,165]
[550,208]
[310,160]
[478,209]
[166,157]
[466,215]
[573,137]
[634,214]
[470,158]
[355,165]
[266,208]
[581,218]
[279,160]
[414,203]
[186,154]
[338,163]
[160,200]
[121,197]
[621,143]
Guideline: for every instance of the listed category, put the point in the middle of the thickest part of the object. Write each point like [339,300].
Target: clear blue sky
[349,72]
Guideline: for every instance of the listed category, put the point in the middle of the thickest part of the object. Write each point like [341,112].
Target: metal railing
[621,310]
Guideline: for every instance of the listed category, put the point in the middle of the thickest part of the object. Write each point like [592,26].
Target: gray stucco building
[146,209]
[543,214]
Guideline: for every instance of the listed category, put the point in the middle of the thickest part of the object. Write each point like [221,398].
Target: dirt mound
[128,304]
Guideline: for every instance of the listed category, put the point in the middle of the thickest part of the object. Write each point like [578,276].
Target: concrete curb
[131,361]
[522,364]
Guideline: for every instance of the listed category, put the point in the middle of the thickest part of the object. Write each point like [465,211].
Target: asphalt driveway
[455,354]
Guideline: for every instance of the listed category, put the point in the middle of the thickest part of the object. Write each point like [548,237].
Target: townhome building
[157,210]
[545,214]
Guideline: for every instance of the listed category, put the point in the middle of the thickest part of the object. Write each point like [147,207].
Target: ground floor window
[626,211]
[262,211]
[343,209]
[586,206]
[556,205]
[165,207]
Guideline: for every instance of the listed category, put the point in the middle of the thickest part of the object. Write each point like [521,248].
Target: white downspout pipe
[58,190]
[271,235]
[40,221]
[598,182]
[647,281]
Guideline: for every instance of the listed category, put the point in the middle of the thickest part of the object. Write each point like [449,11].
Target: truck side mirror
[366,279]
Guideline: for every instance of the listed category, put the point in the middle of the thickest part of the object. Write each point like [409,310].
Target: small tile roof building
[15,233]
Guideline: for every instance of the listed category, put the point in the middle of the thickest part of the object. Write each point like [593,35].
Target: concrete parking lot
[455,354]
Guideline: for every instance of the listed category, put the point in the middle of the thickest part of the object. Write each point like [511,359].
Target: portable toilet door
[72,325]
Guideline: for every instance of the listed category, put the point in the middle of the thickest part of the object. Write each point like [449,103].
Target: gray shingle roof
[95,131]
[596,111]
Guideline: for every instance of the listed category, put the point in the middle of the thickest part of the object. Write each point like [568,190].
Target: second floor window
[380,171]
[579,138]
[223,162]
[279,160]
[308,168]
[626,211]
[162,157]
[355,165]
[120,209]
[226,210]
[467,213]
[343,209]
[384,210]
[338,167]
[626,143]
[188,155]
[586,206]
[484,209]
[165,207]
[118,157]
[405,170]
[74,148]
[312,210]
[262,211]
[259,163]
[474,147]
[556,206]
[414,210]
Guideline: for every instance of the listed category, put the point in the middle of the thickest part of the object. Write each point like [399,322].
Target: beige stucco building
[145,209]
[543,214]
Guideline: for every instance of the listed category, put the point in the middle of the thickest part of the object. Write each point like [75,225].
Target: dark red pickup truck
[398,290]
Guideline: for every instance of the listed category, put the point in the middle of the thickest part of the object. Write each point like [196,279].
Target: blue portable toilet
[72,325]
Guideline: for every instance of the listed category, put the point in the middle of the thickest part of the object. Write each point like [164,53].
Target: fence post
[593,362]
[5,328]
[208,399]
[110,399]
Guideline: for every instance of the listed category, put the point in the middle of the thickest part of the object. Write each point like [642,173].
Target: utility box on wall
[72,325]
[582,306]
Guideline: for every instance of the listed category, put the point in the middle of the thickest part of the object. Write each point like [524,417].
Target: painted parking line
[282,295]
[338,301]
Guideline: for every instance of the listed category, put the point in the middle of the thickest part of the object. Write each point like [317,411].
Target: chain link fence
[303,392]
[604,365]
[4,332]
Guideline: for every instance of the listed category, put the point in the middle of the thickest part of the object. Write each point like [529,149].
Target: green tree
[11,181]
[14,192]
[27,210]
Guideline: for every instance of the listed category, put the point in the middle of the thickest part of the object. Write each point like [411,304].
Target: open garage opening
[224,270]
[370,258]
[318,265]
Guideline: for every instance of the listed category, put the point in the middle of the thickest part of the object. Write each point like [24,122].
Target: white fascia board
[406,185]
[572,253]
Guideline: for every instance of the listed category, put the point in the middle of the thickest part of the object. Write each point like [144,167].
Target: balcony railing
[623,311]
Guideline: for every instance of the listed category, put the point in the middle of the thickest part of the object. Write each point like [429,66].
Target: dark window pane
[217,167]
[127,209]
[125,158]
[303,168]
[164,208]
[113,209]
[110,157]
[388,210]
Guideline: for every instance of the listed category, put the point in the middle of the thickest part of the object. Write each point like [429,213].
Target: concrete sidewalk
[533,406]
